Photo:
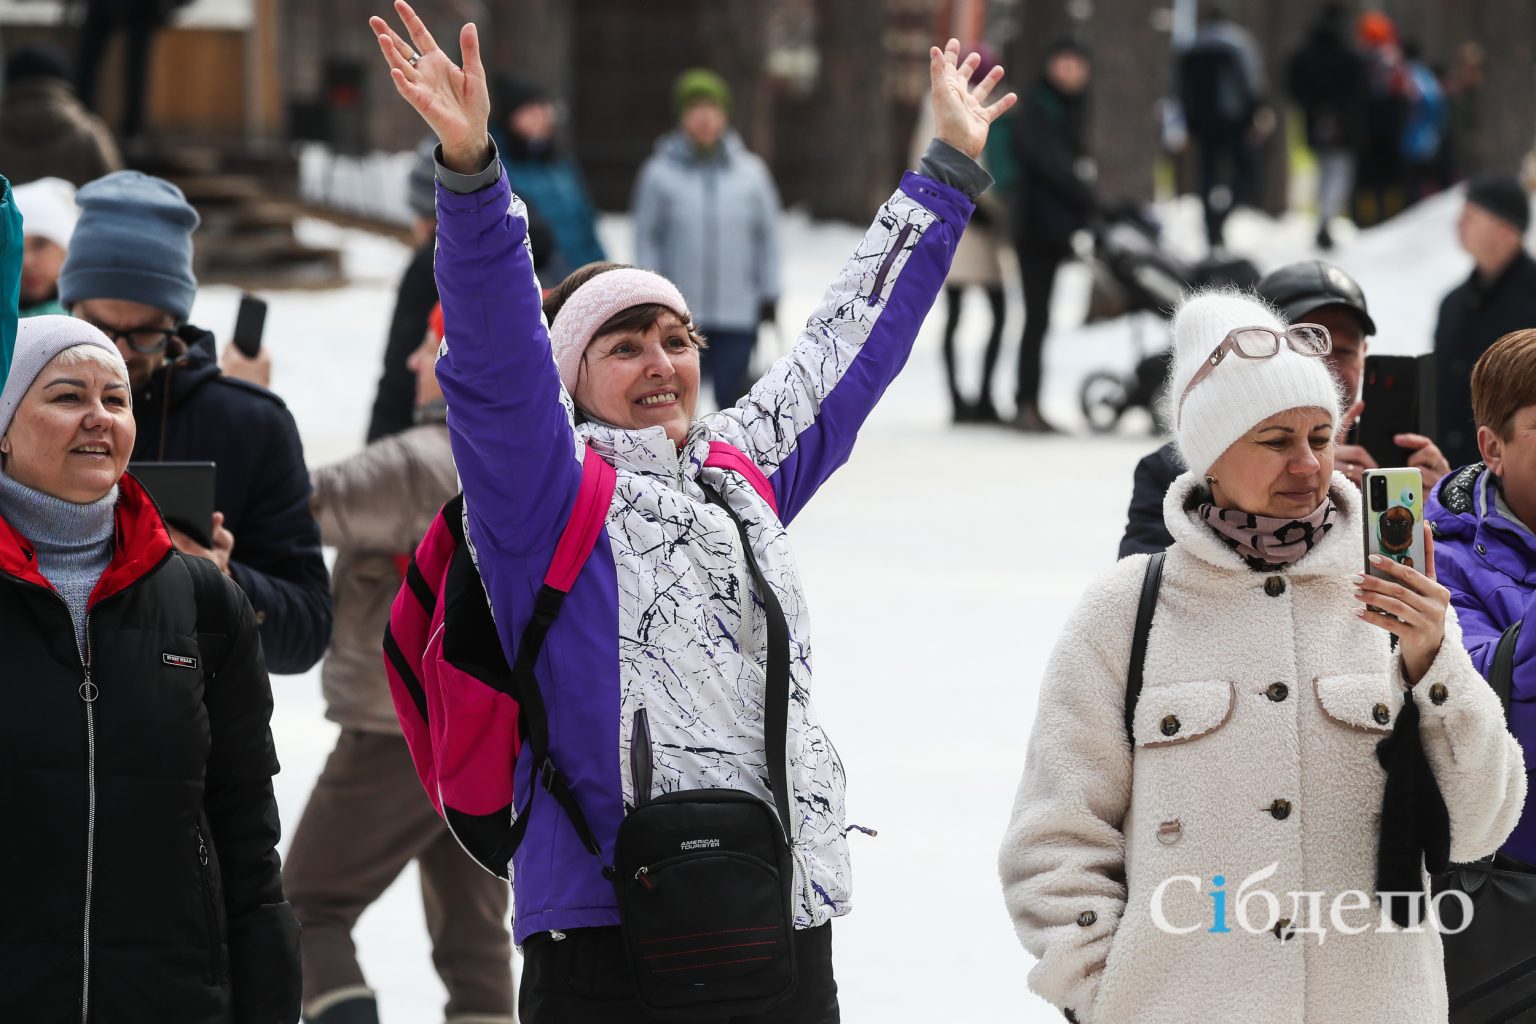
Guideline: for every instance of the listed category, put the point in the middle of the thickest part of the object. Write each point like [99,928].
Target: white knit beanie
[1239,393]
[38,340]
[48,209]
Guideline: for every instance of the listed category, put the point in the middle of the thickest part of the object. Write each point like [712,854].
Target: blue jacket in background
[551,184]
[1488,561]
[709,223]
[191,412]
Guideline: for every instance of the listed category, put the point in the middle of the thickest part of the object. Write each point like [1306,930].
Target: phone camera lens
[1378,492]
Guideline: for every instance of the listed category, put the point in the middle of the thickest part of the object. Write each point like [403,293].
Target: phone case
[1395,527]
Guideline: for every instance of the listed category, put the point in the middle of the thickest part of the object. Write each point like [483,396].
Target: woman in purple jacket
[654,673]
[1484,516]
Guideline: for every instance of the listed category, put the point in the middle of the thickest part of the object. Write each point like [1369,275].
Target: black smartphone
[250,323]
[1399,396]
[184,493]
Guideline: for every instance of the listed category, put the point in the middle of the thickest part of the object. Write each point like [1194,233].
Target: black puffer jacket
[261,486]
[140,856]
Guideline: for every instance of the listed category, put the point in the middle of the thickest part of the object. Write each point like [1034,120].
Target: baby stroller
[1134,276]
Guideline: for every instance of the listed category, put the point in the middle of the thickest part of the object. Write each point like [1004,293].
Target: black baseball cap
[1298,289]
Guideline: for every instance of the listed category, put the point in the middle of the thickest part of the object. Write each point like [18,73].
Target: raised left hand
[223,544]
[961,117]
[1410,604]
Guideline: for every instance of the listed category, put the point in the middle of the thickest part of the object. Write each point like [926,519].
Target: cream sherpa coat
[1094,832]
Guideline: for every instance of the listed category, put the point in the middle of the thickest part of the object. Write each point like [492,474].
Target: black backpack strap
[1501,675]
[215,632]
[1150,585]
[776,695]
[534,723]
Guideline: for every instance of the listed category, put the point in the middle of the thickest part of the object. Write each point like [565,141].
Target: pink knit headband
[595,303]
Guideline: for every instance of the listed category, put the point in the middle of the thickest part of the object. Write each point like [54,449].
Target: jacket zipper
[888,262]
[215,961]
[88,695]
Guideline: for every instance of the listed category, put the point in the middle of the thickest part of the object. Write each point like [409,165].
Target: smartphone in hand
[250,324]
[1393,503]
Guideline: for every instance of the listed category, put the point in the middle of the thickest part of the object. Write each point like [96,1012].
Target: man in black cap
[1312,292]
[1499,297]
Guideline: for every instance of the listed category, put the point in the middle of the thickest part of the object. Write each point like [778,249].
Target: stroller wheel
[1104,399]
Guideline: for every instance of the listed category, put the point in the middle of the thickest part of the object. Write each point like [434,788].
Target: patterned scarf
[1265,543]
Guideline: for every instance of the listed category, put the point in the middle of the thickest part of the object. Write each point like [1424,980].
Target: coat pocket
[1180,712]
[1367,701]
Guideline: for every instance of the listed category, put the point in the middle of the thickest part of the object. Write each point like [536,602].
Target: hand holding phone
[1398,587]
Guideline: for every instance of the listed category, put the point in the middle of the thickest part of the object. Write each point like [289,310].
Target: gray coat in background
[374,508]
[709,224]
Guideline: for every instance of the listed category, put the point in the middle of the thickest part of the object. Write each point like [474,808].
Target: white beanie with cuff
[1239,393]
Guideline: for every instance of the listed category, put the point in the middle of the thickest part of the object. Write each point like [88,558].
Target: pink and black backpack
[460,704]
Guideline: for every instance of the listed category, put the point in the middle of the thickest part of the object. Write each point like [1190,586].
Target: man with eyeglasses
[1310,291]
[129,272]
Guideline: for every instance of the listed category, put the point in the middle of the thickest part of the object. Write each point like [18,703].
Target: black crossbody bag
[1490,967]
[704,877]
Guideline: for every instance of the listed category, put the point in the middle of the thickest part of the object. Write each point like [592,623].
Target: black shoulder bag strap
[534,720]
[776,694]
[1501,674]
[1150,585]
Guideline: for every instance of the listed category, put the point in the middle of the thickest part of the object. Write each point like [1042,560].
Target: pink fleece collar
[595,303]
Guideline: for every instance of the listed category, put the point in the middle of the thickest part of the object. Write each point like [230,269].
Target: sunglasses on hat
[1260,343]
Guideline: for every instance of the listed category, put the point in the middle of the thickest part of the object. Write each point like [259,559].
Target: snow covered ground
[940,564]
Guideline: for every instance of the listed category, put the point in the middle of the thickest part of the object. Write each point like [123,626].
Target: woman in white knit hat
[138,762]
[1152,858]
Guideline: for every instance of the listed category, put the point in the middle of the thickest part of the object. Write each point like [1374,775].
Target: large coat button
[1274,586]
[1170,725]
[1382,714]
[1280,810]
[1277,692]
[1086,919]
[1438,693]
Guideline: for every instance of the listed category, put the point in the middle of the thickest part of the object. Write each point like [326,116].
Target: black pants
[139,19]
[584,979]
[1226,158]
[726,363]
[954,296]
[1037,268]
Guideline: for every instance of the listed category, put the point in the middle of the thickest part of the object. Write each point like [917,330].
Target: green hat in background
[697,84]
[10,275]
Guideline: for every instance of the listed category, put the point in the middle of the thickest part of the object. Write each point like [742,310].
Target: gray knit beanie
[133,242]
[38,340]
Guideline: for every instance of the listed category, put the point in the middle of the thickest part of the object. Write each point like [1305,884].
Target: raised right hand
[454,102]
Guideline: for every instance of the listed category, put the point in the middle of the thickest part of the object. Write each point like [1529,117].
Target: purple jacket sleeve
[800,421]
[508,416]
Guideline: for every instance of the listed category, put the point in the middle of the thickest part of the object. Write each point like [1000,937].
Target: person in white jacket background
[1251,764]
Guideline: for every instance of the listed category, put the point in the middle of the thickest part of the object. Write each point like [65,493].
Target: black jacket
[142,828]
[1327,81]
[261,486]
[1054,197]
[1146,533]
[394,405]
[1473,317]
